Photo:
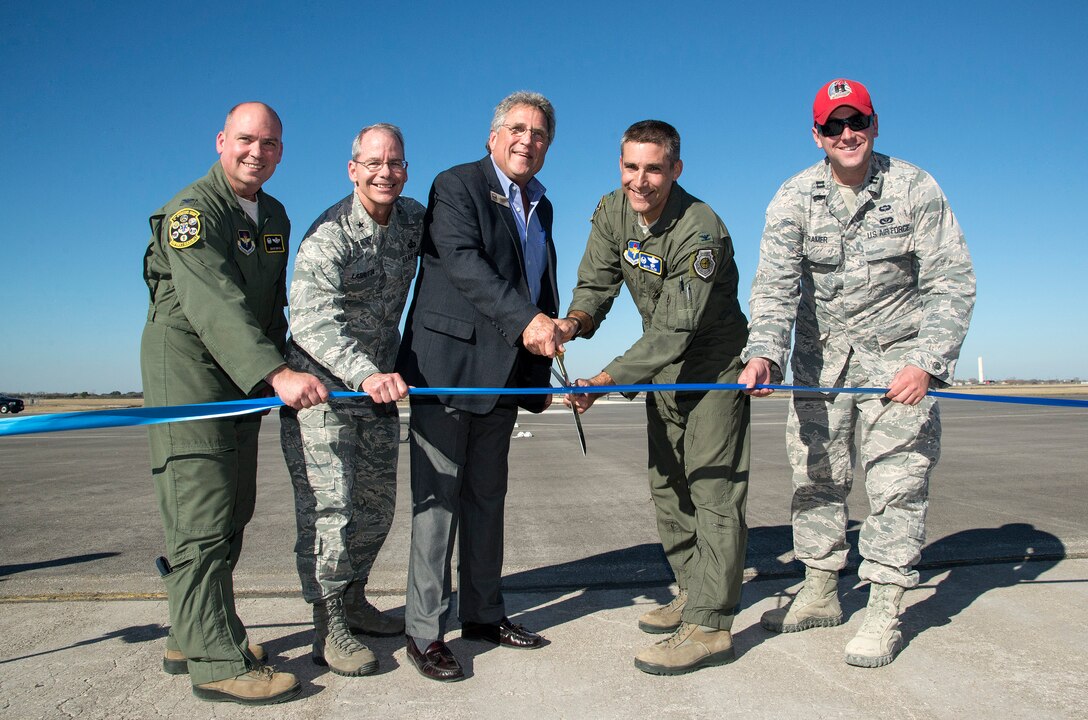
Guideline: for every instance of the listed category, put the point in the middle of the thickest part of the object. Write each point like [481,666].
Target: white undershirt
[250,208]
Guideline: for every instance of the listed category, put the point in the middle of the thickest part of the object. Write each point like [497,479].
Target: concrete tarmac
[996,629]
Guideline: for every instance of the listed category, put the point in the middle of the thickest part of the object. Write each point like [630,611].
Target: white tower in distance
[981,377]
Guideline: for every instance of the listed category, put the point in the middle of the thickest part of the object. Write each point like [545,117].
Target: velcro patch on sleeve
[184,228]
[703,263]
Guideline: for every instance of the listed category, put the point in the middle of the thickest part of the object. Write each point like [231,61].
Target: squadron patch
[245,242]
[273,243]
[703,263]
[184,228]
[650,263]
[632,252]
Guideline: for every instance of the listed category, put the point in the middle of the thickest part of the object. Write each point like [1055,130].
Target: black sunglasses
[835,126]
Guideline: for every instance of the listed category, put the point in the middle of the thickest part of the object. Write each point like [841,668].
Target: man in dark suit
[483,315]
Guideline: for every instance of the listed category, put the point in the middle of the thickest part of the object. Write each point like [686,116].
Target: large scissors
[564,379]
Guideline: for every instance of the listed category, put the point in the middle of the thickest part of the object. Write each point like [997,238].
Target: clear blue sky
[110,108]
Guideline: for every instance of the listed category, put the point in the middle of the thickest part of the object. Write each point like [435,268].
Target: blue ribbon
[124,417]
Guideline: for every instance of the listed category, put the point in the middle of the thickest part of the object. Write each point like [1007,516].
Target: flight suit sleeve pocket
[681,314]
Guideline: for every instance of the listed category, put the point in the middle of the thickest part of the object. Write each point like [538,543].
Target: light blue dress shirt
[533,242]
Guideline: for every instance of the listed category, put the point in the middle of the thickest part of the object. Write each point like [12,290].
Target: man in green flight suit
[676,258]
[216,272]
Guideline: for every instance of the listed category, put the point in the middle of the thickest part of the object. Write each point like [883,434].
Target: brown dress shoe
[504,633]
[436,662]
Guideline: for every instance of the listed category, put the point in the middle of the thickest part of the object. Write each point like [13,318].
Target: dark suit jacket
[471,300]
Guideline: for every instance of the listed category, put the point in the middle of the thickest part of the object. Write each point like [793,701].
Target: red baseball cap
[837,93]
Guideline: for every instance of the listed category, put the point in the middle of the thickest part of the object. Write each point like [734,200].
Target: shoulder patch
[703,263]
[184,228]
[600,204]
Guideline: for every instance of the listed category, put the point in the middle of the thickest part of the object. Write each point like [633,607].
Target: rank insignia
[245,242]
[632,252]
[650,263]
[274,243]
[184,228]
[703,263]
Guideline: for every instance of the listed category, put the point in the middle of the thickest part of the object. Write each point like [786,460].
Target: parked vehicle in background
[10,405]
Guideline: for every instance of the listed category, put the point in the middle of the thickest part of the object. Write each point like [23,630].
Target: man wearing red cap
[862,252]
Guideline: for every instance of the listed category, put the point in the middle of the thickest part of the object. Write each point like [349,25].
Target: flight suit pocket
[680,313]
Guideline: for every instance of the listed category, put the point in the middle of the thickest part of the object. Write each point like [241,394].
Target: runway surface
[79,515]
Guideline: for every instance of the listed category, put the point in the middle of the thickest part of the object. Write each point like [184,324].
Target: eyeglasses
[376,165]
[518,131]
[835,126]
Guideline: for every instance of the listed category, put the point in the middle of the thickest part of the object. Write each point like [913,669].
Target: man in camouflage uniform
[676,258]
[216,270]
[863,252]
[351,280]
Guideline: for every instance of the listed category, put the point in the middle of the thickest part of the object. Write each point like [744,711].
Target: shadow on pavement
[132,634]
[6,570]
[1019,551]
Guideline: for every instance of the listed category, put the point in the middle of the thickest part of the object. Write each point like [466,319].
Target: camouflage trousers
[343,467]
[896,446]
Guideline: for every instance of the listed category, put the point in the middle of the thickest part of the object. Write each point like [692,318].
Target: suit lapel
[501,205]
[544,210]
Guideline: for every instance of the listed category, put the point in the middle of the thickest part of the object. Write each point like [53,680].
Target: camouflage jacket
[350,283]
[892,284]
[683,281]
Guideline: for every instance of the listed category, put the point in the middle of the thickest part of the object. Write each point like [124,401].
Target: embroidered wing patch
[650,263]
[274,244]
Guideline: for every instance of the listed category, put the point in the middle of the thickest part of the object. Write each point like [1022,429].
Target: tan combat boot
[691,647]
[262,686]
[815,605]
[174,662]
[665,619]
[335,646]
[879,640]
[365,618]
